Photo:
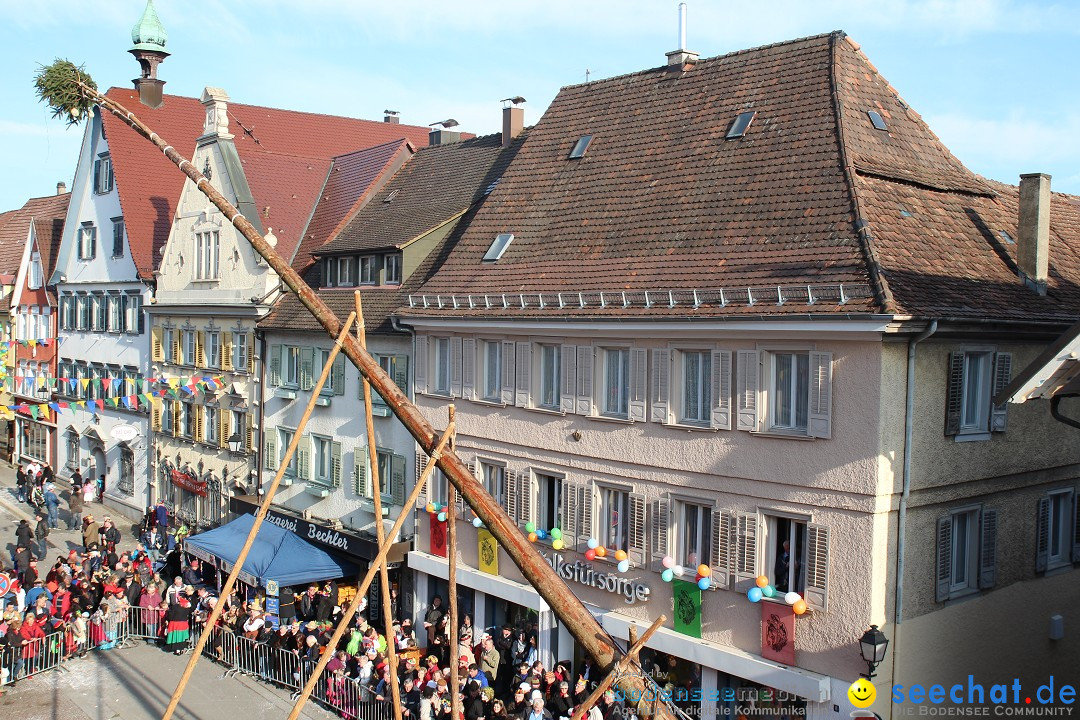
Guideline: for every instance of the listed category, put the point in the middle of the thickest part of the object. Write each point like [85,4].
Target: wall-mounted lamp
[873,644]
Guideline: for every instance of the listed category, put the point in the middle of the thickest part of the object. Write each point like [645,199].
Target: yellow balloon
[557,544]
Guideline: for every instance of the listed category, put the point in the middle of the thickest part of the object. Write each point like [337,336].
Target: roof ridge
[373,148]
[489,136]
[882,292]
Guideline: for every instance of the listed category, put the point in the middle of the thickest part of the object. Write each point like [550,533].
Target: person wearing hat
[91,531]
[581,691]
[518,703]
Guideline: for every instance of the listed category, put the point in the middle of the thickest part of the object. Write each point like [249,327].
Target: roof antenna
[587,72]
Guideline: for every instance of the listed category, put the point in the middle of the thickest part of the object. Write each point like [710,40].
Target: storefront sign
[488,552]
[583,572]
[271,588]
[687,608]
[188,481]
[124,433]
[778,632]
[339,540]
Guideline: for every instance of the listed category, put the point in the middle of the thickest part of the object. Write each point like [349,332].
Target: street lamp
[235,441]
[873,644]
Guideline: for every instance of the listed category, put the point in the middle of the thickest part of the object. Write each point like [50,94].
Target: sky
[993,78]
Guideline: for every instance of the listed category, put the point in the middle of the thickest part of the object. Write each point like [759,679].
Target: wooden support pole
[626,661]
[254,531]
[376,492]
[451,554]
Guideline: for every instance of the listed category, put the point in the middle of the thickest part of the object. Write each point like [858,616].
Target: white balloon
[792,597]
[679,570]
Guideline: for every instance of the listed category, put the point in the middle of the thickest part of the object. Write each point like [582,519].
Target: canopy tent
[276,555]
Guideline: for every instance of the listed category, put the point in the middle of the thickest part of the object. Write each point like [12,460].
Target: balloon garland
[764,589]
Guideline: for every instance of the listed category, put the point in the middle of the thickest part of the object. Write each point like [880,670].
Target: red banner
[778,633]
[188,482]
[438,535]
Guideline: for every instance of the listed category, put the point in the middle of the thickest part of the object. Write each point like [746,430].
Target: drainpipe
[260,369]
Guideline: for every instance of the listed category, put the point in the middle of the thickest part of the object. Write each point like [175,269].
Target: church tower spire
[149,38]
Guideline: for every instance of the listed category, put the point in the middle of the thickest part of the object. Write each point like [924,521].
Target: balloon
[799,607]
[768,591]
[593,542]
[754,594]
[442,517]
[792,597]
[668,561]
[679,570]
[541,534]
[556,534]
[431,507]
[704,571]
[530,527]
[601,551]
[556,544]
[590,554]
[762,581]
[438,506]
[477,522]
[704,583]
[623,565]
[667,575]
[532,537]
[620,555]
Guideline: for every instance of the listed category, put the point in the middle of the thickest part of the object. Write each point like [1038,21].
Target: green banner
[687,608]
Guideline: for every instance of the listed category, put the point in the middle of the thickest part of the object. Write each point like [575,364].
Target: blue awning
[275,555]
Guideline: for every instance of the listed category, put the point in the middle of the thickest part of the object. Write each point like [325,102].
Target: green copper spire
[149,33]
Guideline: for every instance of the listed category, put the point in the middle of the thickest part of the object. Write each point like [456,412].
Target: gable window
[118,237]
[393,270]
[616,382]
[550,375]
[34,281]
[442,365]
[207,255]
[491,382]
[1057,533]
[975,375]
[103,174]
[213,349]
[613,528]
[693,525]
[369,270]
[87,241]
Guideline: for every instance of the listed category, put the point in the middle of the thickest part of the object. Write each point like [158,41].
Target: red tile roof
[47,213]
[281,146]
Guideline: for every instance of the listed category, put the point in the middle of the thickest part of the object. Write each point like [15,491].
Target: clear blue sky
[994,78]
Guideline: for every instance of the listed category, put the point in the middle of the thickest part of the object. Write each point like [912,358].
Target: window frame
[368,270]
[705,378]
[207,255]
[604,492]
[683,507]
[212,338]
[800,396]
[549,377]
[797,534]
[621,387]
[392,269]
[322,459]
[87,241]
[971,556]
[285,436]
[980,385]
[441,350]
[104,179]
[240,351]
[211,425]
[1062,526]
[187,347]
[118,237]
[550,499]
[497,475]
[290,360]
[491,371]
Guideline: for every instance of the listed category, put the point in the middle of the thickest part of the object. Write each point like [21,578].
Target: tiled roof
[279,141]
[47,214]
[378,302]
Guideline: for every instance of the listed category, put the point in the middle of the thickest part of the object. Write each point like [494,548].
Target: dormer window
[392,275]
[34,281]
[369,269]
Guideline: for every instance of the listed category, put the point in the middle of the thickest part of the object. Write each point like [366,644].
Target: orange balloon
[620,555]
[704,571]
[799,607]
[532,537]
[762,581]
[601,551]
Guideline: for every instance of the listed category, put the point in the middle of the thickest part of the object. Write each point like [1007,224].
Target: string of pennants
[44,342]
[176,389]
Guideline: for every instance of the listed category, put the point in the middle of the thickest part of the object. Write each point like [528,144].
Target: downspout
[1056,413]
[259,447]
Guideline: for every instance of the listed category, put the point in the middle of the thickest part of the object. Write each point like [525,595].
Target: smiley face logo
[862,693]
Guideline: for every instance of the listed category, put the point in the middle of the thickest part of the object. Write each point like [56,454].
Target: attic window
[580,147]
[1006,237]
[877,120]
[498,247]
[490,188]
[390,196]
[742,122]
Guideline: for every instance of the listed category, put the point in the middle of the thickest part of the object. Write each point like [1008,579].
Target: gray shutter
[97,175]
[275,365]
[584,404]
[659,523]
[571,502]
[988,550]
[944,557]
[303,458]
[721,548]
[506,365]
[401,372]
[1042,535]
[954,393]
[337,376]
[335,464]
[721,390]
[638,369]
[637,550]
[746,546]
[820,405]
[1076,528]
[588,510]
[455,366]
[568,368]
[360,473]
[1002,375]
[421,465]
[817,567]
[468,368]
[524,366]
[746,380]
[397,479]
[270,457]
[421,364]
[661,378]
[526,493]
[307,362]
[510,494]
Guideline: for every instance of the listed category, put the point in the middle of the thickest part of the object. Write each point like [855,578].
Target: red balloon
[590,554]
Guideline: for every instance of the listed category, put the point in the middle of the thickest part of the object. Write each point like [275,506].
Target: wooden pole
[254,531]
[361,591]
[376,493]
[451,554]
[630,658]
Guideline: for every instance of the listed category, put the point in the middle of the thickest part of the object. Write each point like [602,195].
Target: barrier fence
[237,654]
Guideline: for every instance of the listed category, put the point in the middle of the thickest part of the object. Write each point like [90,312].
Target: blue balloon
[477,522]
[623,565]
[753,594]
[593,543]
[541,534]
[667,575]
[704,583]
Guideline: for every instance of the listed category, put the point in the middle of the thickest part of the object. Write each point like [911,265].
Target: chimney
[442,136]
[513,121]
[61,188]
[391,116]
[681,59]
[216,124]
[1033,231]
[149,38]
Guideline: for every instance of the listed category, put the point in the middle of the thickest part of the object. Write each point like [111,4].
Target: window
[97,312]
[291,366]
[34,440]
[616,382]
[491,380]
[789,388]
[740,125]
[786,553]
[187,347]
[393,270]
[391,477]
[335,381]
[876,120]
[285,437]
[498,247]
[550,376]
[126,483]
[187,420]
[613,527]
[168,343]
[118,237]
[346,272]
[116,313]
[82,302]
[207,254]
[103,174]
[397,367]
[369,270]
[71,439]
[97,373]
[696,368]
[549,502]
[975,375]
[210,425]
[322,450]
[1057,537]
[442,365]
[240,352]
[168,422]
[239,427]
[87,241]
[67,311]
[580,147]
[963,551]
[966,551]
[494,479]
[34,281]
[131,381]
[213,349]
[693,529]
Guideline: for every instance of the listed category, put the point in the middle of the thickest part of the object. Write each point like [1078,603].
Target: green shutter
[338,375]
[335,464]
[303,458]
[270,450]
[275,365]
[397,479]
[306,362]
[360,474]
[401,372]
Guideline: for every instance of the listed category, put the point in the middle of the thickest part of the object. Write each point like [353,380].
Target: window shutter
[637,550]
[721,390]
[401,373]
[584,404]
[954,393]
[820,405]
[155,414]
[420,464]
[397,480]
[176,408]
[944,557]
[988,550]
[93,243]
[1002,376]
[197,420]
[721,548]
[337,375]
[571,502]
[97,176]
[200,349]
[746,545]
[455,366]
[568,368]
[360,471]
[307,368]
[524,366]
[335,464]
[420,372]
[251,353]
[275,365]
[303,458]
[661,376]
[249,432]
[817,567]
[1042,535]
[746,381]
[176,350]
[659,526]
[638,370]
[510,495]
[526,493]
[468,368]
[588,510]
[1076,528]
[223,427]
[157,353]
[506,365]
[226,351]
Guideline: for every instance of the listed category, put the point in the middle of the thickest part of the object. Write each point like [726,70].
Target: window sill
[782,435]
[546,411]
[972,437]
[960,596]
[381,410]
[690,428]
[323,401]
[1058,568]
[285,394]
[489,403]
[611,419]
[368,505]
[437,394]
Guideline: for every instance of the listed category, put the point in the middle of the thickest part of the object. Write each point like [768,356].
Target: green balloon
[556,534]
[530,527]
[768,591]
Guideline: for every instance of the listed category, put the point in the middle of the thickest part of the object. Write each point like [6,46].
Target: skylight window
[1006,237]
[742,122]
[498,247]
[490,188]
[580,147]
[875,117]
[390,196]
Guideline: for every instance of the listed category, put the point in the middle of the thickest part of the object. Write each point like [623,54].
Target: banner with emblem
[687,608]
[437,534]
[489,552]
[778,632]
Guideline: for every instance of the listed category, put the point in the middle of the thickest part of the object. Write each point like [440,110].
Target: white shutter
[335,464]
[420,364]
[303,458]
[746,382]
[817,567]
[568,368]
[658,526]
[455,367]
[526,493]
[506,364]
[988,550]
[999,414]
[638,369]
[510,494]
[570,499]
[721,390]
[661,378]
[721,548]
[421,465]
[1042,535]
[588,510]
[468,368]
[820,420]
[360,473]
[524,366]
[746,546]
[944,557]
[584,404]
[637,549]
[270,457]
